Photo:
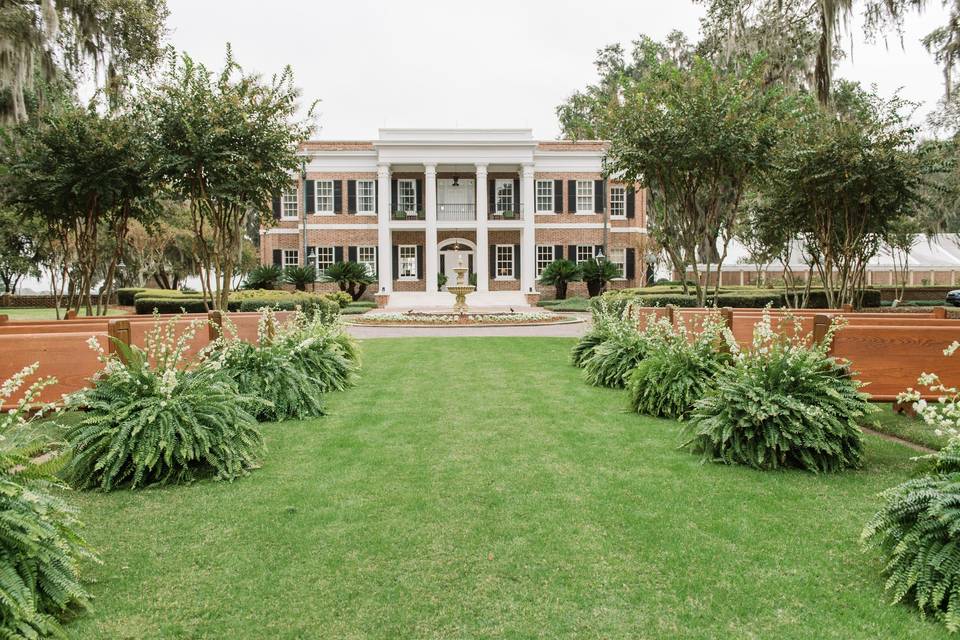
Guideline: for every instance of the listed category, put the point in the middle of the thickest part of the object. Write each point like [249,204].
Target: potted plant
[441,281]
[558,273]
[509,215]
[597,273]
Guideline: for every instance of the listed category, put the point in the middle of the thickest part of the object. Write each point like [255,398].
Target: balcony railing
[456,212]
[407,213]
[512,213]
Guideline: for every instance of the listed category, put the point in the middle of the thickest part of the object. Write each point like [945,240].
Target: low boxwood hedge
[728,297]
[309,303]
[172,301]
[125,295]
[147,305]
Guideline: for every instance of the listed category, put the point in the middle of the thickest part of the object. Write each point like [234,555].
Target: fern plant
[606,318]
[782,403]
[327,353]
[40,544]
[678,368]
[152,419]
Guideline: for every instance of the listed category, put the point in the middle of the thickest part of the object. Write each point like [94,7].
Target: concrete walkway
[573,330]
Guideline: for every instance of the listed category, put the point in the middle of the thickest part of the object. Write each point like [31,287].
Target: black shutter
[469,264]
[631,264]
[419,199]
[572,252]
[376,196]
[337,196]
[516,261]
[558,252]
[352,253]
[419,262]
[631,203]
[338,254]
[516,195]
[278,257]
[491,195]
[558,197]
[276,207]
[395,206]
[492,259]
[396,262]
[599,195]
[351,196]
[571,196]
[310,195]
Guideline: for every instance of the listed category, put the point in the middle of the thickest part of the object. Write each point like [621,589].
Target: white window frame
[585,192]
[583,249]
[407,195]
[545,196]
[504,201]
[545,256]
[499,259]
[618,202]
[329,257]
[290,204]
[323,196]
[370,262]
[363,208]
[407,260]
[618,256]
[291,258]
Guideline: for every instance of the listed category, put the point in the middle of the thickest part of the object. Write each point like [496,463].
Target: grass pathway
[476,487]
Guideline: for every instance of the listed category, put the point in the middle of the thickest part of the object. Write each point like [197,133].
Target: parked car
[953,297]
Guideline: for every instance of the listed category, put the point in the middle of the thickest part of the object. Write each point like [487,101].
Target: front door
[450,259]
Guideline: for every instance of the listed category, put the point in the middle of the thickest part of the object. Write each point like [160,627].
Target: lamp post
[303,190]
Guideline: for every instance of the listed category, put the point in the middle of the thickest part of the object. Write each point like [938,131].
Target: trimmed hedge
[147,305]
[172,301]
[744,298]
[126,295]
[310,304]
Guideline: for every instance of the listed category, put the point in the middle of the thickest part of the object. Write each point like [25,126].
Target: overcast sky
[480,63]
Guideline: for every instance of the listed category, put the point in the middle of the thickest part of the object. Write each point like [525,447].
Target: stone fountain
[461,288]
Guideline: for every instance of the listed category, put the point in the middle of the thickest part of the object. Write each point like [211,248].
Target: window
[544,257]
[288,203]
[584,253]
[408,262]
[324,196]
[619,258]
[291,258]
[407,195]
[324,259]
[584,196]
[504,261]
[365,196]
[544,196]
[618,202]
[367,256]
[504,195]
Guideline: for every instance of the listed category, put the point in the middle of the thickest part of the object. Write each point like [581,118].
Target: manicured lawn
[570,304]
[909,428]
[43,314]
[476,487]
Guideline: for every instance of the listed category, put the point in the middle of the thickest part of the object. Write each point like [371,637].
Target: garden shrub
[916,529]
[125,295]
[40,544]
[342,298]
[327,353]
[169,304]
[781,403]
[605,311]
[311,304]
[678,369]
[611,361]
[152,418]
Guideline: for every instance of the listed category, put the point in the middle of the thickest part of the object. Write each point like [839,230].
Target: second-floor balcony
[456,212]
[506,213]
[408,213]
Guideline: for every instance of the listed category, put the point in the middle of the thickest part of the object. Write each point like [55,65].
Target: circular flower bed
[443,319]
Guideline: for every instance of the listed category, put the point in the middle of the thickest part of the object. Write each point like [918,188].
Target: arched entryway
[454,251]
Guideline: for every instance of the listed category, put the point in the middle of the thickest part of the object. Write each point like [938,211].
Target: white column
[483,246]
[384,244]
[431,261]
[528,242]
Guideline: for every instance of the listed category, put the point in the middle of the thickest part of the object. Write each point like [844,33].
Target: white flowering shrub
[679,368]
[517,317]
[292,365]
[605,316]
[610,362]
[783,402]
[918,529]
[40,544]
[152,417]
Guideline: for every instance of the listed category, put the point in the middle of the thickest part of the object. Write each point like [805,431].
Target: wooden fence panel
[66,356]
[139,329]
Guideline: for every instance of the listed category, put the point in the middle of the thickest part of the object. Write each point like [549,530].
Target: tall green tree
[45,40]
[21,248]
[697,137]
[227,143]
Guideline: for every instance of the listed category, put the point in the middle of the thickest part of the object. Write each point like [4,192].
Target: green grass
[910,429]
[476,487]
[44,314]
[570,304]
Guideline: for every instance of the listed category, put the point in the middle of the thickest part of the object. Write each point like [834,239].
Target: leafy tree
[351,277]
[841,182]
[697,137]
[161,251]
[559,273]
[45,40]
[227,143]
[21,245]
[85,176]
[597,274]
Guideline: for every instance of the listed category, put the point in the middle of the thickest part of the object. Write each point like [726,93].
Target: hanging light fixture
[456,181]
